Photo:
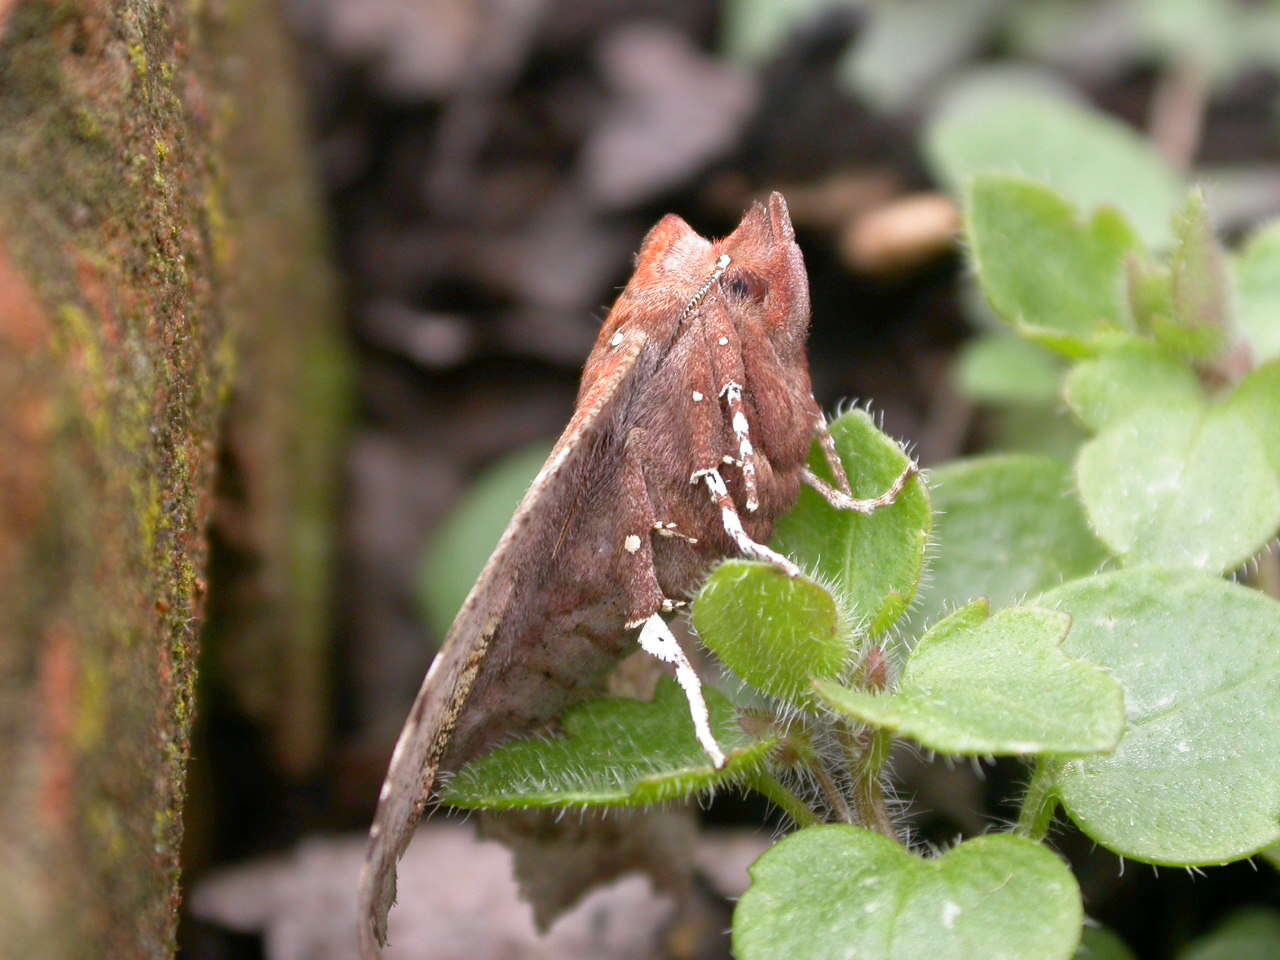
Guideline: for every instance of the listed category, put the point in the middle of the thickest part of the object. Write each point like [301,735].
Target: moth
[690,437]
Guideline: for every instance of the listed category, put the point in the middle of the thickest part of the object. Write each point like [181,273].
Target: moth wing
[426,734]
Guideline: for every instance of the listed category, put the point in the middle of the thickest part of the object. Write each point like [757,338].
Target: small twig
[1177,111]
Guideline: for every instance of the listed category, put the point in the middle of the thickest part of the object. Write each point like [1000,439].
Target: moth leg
[645,601]
[733,523]
[657,640]
[731,393]
[725,350]
[843,501]
[669,530]
[829,452]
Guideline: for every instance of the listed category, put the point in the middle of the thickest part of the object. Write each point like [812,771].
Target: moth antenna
[722,264]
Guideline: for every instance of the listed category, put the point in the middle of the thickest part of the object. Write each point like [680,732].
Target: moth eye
[744,285]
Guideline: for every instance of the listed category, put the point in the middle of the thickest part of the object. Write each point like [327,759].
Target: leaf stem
[831,791]
[767,785]
[1039,803]
[874,746]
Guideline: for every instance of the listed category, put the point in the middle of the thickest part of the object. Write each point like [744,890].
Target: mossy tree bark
[163,297]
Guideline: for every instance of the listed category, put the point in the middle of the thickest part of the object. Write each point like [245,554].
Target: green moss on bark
[134,269]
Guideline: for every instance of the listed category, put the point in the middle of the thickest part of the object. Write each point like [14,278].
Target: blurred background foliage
[489,167]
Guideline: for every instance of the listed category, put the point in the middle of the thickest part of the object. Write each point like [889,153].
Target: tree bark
[162,275]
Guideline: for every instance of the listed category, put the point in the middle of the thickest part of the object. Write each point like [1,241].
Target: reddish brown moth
[690,438]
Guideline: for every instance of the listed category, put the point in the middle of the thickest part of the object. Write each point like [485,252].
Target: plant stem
[868,791]
[767,785]
[1039,803]
[867,752]
[832,792]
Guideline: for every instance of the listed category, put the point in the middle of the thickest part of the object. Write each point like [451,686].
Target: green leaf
[775,632]
[1052,277]
[1257,292]
[904,47]
[834,892]
[1272,855]
[615,752]
[1196,777]
[1099,943]
[1136,375]
[1256,401]
[1150,288]
[1086,156]
[1198,31]
[994,686]
[873,562]
[1046,431]
[1201,297]
[1002,369]
[1180,488]
[458,552]
[1007,527]
[755,29]
[1252,933]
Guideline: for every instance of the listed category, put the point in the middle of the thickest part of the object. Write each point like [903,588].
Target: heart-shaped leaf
[838,892]
[873,561]
[615,752]
[1196,776]
[776,632]
[1137,375]
[999,685]
[1180,487]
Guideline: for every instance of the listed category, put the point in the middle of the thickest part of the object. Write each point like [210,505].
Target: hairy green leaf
[1007,527]
[1054,278]
[615,752]
[1180,487]
[1139,374]
[1196,776]
[775,632]
[874,562]
[982,685]
[830,893]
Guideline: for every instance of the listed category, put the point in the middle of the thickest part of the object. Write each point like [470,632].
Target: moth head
[766,275]
[671,254]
